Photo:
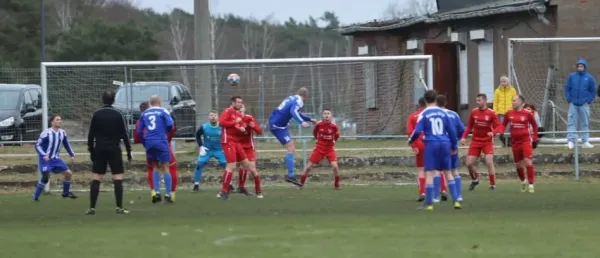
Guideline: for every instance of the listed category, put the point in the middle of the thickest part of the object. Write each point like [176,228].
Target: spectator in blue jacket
[580,91]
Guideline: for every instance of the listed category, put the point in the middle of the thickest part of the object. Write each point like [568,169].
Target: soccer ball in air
[233,79]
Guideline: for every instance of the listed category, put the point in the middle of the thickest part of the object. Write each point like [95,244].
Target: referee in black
[107,130]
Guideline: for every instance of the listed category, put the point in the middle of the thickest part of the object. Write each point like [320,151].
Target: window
[185,94]
[27,101]
[137,94]
[36,98]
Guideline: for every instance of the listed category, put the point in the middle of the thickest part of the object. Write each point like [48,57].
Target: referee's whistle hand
[129,157]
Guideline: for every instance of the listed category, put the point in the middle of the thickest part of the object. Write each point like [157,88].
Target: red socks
[257,187]
[226,181]
[303,178]
[173,172]
[530,174]
[336,182]
[443,186]
[473,173]
[421,186]
[521,173]
[242,175]
[492,179]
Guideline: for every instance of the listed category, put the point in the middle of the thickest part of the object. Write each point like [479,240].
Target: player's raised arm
[43,140]
[296,115]
[67,146]
[469,126]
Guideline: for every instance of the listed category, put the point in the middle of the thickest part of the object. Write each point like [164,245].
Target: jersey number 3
[437,126]
[152,122]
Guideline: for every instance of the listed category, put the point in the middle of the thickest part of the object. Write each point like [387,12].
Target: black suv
[20,112]
[175,96]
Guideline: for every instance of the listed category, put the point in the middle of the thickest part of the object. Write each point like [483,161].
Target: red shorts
[233,152]
[476,148]
[250,154]
[317,155]
[522,151]
[420,157]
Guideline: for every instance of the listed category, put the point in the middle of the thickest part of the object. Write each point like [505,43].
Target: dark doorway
[445,71]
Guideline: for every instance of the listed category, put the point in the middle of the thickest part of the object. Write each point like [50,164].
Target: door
[445,71]
[189,106]
[31,117]
[486,69]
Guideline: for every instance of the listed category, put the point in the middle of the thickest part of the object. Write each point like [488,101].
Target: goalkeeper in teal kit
[208,137]
[278,125]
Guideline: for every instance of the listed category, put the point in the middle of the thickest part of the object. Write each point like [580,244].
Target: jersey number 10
[437,126]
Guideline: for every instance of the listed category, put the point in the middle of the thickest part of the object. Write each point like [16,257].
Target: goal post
[370,96]
[538,68]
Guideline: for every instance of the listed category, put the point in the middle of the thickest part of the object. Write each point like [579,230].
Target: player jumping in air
[231,123]
[523,133]
[246,140]
[441,101]
[208,137]
[150,165]
[327,133]
[418,149]
[440,143]
[153,128]
[278,125]
[483,121]
[48,149]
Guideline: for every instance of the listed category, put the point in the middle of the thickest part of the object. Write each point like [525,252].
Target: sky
[358,11]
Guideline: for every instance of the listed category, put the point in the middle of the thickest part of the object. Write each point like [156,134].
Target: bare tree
[65,13]
[179,29]
[414,8]
[320,77]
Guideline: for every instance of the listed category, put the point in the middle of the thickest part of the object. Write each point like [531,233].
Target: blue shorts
[282,135]
[158,151]
[217,154]
[54,165]
[437,156]
[455,162]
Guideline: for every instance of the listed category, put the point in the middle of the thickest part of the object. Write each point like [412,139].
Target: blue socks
[437,183]
[428,195]
[452,188]
[458,185]
[66,187]
[290,161]
[156,181]
[198,173]
[39,188]
[168,183]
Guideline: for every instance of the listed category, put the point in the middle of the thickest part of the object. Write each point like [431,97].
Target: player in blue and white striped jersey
[48,148]
[278,125]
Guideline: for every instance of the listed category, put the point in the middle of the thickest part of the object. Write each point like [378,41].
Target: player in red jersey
[483,122]
[326,132]
[149,164]
[247,142]
[523,132]
[418,148]
[231,123]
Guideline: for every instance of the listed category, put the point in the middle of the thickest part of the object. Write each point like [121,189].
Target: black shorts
[104,158]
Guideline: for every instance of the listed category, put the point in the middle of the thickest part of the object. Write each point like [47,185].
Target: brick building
[469,45]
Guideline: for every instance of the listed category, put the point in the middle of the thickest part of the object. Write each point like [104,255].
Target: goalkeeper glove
[203,150]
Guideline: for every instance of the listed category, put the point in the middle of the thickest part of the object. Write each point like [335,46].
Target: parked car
[176,98]
[20,112]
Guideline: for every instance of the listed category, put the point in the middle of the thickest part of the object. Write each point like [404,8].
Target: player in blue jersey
[440,143]
[441,101]
[208,137]
[278,125]
[48,149]
[157,123]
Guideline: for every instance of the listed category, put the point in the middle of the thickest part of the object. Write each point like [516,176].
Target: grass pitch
[559,220]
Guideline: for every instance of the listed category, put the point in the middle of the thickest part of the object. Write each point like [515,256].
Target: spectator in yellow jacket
[503,96]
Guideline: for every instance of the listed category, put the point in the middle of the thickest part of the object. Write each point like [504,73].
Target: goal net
[369,96]
[539,67]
